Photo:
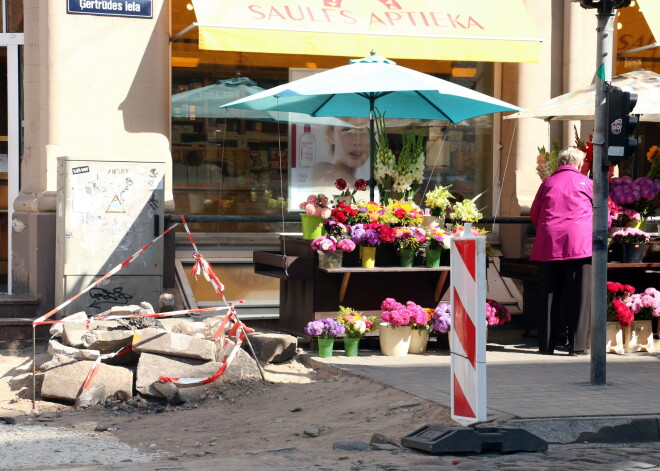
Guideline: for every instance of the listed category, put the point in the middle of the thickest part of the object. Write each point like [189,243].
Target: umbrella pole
[372,181]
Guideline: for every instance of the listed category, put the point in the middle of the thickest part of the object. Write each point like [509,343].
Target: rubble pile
[175,347]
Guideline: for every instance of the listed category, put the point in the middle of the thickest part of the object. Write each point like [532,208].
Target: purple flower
[324,328]
[441,320]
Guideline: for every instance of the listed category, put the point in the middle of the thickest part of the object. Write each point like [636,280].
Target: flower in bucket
[496,314]
[617,310]
[639,194]
[441,320]
[368,212]
[396,314]
[437,238]
[343,213]
[437,200]
[366,234]
[629,235]
[355,323]
[409,237]
[403,213]
[324,328]
[466,210]
[341,233]
[316,205]
[646,305]
[342,186]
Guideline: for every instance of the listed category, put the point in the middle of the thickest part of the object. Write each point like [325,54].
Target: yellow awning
[471,30]
[651,11]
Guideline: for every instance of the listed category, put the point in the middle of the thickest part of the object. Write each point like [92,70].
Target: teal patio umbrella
[374,83]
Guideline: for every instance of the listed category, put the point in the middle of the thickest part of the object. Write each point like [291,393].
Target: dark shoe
[579,352]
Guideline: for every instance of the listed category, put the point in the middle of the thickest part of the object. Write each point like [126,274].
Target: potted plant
[316,210]
[356,325]
[332,246]
[632,242]
[645,306]
[408,241]
[619,317]
[325,331]
[465,211]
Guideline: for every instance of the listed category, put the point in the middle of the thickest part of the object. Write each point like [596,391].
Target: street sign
[126,8]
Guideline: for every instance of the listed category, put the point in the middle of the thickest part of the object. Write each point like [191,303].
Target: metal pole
[599,261]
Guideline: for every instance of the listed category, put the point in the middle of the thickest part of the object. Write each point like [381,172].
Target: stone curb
[557,430]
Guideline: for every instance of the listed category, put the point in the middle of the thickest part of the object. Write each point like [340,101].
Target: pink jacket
[562,213]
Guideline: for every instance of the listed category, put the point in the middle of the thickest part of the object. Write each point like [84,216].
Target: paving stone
[64,382]
[178,345]
[72,334]
[107,341]
[273,347]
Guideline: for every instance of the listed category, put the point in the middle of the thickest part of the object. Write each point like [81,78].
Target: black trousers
[564,301]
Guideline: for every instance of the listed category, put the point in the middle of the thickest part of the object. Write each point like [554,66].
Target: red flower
[340,184]
[623,313]
[338,215]
[630,289]
[361,184]
[400,213]
[612,286]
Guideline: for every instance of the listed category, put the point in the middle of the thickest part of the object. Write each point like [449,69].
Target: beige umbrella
[580,104]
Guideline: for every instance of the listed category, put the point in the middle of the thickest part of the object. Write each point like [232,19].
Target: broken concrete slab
[273,347]
[57,360]
[72,334]
[151,367]
[55,347]
[64,382]
[107,341]
[56,329]
[91,396]
[178,345]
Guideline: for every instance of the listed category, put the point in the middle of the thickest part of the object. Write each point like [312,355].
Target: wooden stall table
[308,292]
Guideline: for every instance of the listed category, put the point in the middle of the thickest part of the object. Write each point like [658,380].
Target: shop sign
[128,8]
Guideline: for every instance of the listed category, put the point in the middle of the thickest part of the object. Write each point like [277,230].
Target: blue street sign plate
[128,8]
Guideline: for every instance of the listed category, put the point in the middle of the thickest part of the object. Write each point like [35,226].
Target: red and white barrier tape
[107,275]
[239,330]
[202,266]
[132,316]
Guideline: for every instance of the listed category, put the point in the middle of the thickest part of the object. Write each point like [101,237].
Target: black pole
[600,172]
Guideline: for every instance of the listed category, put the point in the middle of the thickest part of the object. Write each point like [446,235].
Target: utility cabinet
[106,212]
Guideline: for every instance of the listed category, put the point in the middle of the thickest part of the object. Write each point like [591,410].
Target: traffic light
[621,143]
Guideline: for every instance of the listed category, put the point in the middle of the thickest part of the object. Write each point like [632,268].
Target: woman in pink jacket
[562,213]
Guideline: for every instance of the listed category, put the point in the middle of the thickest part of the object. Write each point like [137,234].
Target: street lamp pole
[600,171]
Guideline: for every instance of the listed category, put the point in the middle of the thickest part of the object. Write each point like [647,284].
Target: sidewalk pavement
[551,396]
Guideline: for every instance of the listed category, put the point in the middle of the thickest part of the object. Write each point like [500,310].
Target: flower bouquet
[546,162]
[646,305]
[325,331]
[402,213]
[441,321]
[356,325]
[347,194]
[437,200]
[398,177]
[409,240]
[640,194]
[333,244]
[466,211]
[437,240]
[316,210]
[369,212]
[496,314]
[343,213]
[617,310]
[395,332]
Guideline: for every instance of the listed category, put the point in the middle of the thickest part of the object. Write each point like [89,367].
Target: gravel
[36,446]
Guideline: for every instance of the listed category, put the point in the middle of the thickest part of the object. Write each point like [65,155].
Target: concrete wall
[96,88]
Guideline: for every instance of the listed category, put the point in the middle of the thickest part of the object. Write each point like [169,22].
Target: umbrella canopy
[375,83]
[580,104]
[207,101]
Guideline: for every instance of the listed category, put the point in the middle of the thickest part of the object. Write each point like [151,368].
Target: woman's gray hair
[571,156]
